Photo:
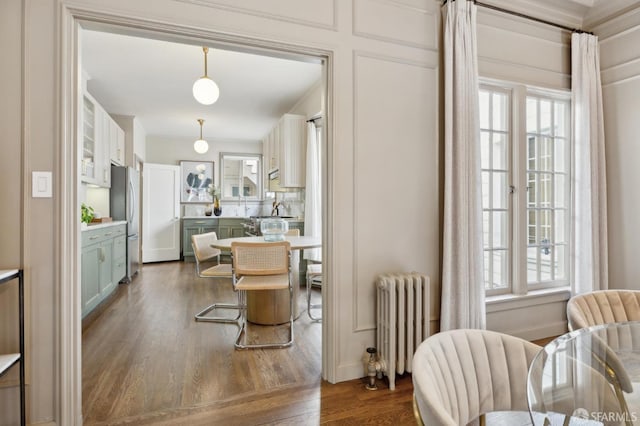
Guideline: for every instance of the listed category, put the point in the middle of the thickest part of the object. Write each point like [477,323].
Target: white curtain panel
[313,193]
[589,231]
[462,270]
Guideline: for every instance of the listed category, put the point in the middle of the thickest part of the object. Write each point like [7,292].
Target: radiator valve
[373,369]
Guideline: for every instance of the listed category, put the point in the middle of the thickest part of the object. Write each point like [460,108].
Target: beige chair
[460,375]
[603,307]
[257,267]
[204,253]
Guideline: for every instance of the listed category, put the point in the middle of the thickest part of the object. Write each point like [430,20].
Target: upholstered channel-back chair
[204,253]
[261,266]
[460,375]
[603,307]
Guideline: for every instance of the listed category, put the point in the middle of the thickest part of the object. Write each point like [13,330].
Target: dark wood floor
[147,362]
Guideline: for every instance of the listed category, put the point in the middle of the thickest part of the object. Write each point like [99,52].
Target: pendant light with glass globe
[205,90]
[201,146]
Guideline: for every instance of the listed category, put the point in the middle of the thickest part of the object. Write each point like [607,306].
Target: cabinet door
[187,232]
[292,158]
[105,151]
[119,258]
[117,144]
[90,277]
[106,268]
[237,231]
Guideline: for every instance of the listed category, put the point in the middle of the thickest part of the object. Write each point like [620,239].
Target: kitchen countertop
[292,219]
[104,225]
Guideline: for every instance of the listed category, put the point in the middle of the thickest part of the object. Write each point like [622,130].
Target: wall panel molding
[397,22]
[369,186]
[263,10]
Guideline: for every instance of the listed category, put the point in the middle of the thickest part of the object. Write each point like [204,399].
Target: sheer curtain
[313,193]
[462,270]
[589,230]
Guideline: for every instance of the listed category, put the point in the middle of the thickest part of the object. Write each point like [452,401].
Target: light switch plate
[41,183]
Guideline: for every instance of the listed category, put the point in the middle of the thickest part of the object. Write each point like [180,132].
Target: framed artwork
[196,178]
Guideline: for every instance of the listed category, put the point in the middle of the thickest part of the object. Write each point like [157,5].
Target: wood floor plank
[146,361]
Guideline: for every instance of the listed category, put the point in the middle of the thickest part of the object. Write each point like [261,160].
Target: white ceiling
[152,80]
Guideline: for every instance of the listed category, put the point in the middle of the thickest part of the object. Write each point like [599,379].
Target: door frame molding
[68,334]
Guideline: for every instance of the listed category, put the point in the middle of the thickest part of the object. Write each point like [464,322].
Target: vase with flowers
[213,191]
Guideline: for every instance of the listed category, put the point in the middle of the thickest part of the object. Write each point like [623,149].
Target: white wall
[161,150]
[620,68]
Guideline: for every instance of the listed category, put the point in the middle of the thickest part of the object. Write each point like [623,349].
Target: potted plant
[86,214]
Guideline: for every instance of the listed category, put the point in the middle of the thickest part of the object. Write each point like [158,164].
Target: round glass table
[588,377]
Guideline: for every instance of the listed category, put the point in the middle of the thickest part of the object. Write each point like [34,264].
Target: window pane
[560,232]
[532,229]
[485,190]
[532,190]
[545,263]
[545,189]
[544,226]
[499,151]
[561,119]
[500,190]
[485,150]
[532,264]
[560,192]
[484,109]
[545,117]
[531,153]
[500,269]
[560,158]
[532,115]
[486,242]
[544,154]
[500,230]
[560,263]
[487,270]
[499,111]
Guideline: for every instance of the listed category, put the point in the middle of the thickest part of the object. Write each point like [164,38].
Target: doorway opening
[252,49]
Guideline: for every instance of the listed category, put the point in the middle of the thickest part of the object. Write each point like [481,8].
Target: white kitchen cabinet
[284,149]
[102,143]
[116,143]
[292,131]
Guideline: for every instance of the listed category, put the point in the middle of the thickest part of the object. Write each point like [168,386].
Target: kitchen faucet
[276,206]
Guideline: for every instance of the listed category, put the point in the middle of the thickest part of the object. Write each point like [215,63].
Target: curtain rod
[522,15]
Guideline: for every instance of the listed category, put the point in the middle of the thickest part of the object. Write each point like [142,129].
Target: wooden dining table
[270,307]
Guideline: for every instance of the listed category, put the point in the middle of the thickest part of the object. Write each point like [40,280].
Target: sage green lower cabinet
[103,263]
[193,227]
[231,227]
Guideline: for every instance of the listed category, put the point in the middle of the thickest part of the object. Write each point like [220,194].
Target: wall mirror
[240,176]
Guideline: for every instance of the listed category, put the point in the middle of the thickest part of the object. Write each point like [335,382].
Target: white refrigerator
[124,205]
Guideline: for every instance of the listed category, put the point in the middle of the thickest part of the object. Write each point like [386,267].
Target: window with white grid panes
[524,136]
[495,139]
[547,175]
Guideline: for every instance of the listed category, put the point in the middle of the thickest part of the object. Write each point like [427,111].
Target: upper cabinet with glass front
[88,148]
[241,176]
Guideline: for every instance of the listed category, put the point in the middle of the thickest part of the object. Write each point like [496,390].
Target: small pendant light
[200,146]
[205,90]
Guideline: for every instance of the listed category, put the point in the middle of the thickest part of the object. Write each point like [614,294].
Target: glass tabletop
[589,377]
